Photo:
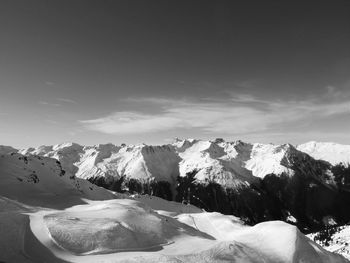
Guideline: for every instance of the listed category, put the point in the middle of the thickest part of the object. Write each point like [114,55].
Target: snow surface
[116,225]
[44,217]
[328,151]
[34,178]
[267,159]
[339,241]
[7,149]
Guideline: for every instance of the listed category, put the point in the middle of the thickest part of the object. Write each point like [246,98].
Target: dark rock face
[304,197]
[161,189]
[342,203]
[248,202]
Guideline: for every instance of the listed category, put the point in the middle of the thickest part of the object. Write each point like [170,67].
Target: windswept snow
[116,225]
[129,231]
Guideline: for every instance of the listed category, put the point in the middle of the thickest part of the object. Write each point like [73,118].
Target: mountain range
[50,213]
[307,185]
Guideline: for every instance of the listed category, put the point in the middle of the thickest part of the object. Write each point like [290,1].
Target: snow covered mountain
[331,152]
[109,161]
[257,182]
[49,215]
[226,163]
[31,178]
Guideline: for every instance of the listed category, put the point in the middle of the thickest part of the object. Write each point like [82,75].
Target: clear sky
[148,71]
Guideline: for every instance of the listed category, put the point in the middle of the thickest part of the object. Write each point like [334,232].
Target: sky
[149,71]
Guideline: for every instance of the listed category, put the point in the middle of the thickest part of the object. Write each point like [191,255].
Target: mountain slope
[37,178]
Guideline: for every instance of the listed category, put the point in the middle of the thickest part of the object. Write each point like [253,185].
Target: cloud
[49,104]
[130,122]
[51,121]
[66,100]
[239,114]
[57,104]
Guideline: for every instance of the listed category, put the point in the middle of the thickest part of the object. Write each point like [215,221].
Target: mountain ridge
[259,159]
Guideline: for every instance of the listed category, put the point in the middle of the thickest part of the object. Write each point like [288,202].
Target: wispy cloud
[66,100]
[49,83]
[242,113]
[49,104]
[62,100]
[132,122]
[51,121]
